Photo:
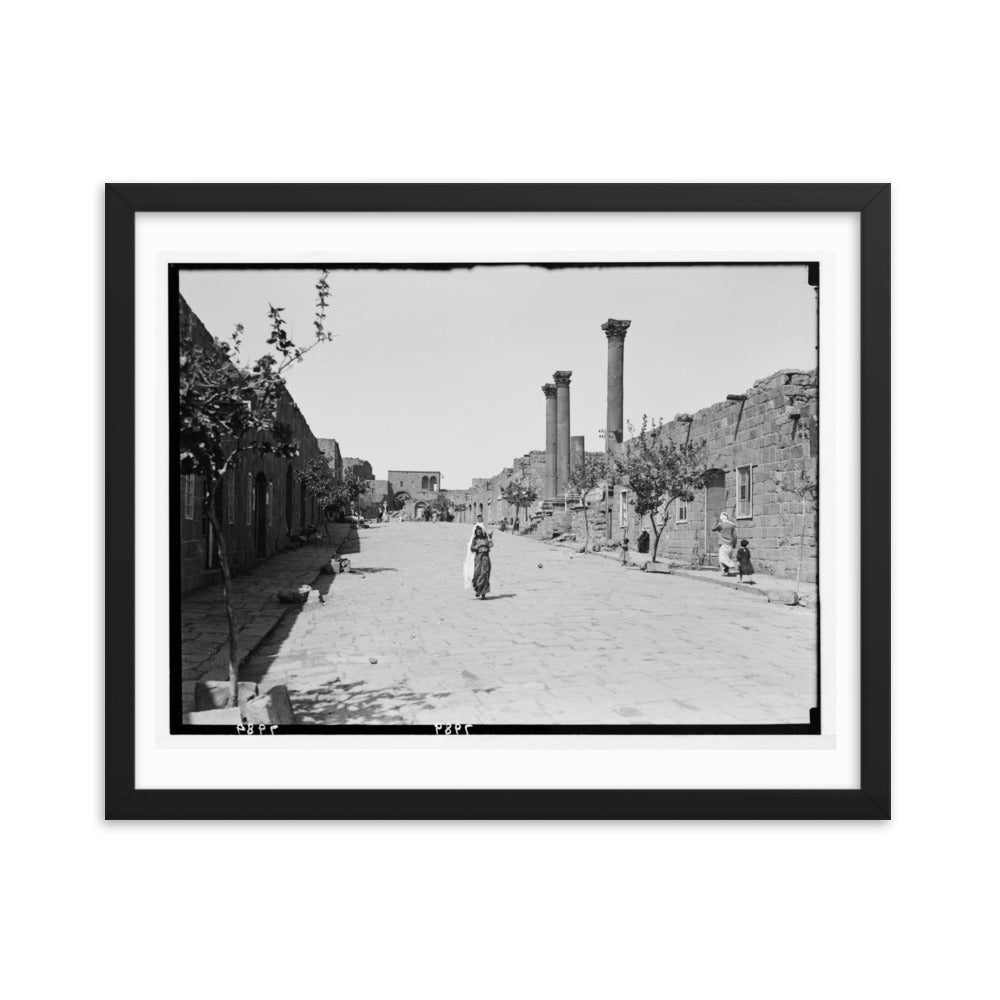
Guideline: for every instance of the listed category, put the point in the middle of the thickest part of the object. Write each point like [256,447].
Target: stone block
[657,567]
[273,708]
[215,717]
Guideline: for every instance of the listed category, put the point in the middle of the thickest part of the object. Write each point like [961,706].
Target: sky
[442,370]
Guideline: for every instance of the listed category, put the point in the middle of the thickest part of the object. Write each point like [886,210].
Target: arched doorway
[418,510]
[715,504]
[260,515]
[302,506]
[289,486]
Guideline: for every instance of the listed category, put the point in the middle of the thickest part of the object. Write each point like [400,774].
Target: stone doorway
[715,504]
[260,515]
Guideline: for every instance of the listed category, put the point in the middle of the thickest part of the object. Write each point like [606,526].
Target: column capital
[549,389]
[562,378]
[616,328]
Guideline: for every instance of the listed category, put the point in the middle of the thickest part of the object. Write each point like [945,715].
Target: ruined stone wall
[330,448]
[774,432]
[361,468]
[254,531]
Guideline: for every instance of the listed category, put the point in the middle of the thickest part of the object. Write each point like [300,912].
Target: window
[230,499]
[423,483]
[744,496]
[623,508]
[189,498]
[434,482]
[249,498]
[682,511]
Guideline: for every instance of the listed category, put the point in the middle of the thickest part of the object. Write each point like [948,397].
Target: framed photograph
[498,501]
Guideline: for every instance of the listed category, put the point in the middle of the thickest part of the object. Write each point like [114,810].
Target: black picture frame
[871,800]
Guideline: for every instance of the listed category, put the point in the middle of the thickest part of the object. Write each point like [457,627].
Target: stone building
[259,504]
[762,456]
[360,467]
[484,499]
[414,490]
[762,445]
[330,448]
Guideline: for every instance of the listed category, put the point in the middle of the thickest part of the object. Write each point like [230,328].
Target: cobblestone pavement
[564,638]
[204,633]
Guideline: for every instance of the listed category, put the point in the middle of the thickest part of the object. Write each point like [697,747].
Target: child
[624,550]
[743,563]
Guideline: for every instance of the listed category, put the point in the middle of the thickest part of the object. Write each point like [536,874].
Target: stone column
[576,452]
[550,440]
[562,432]
[615,330]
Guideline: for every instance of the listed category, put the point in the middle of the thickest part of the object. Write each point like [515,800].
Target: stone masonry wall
[252,532]
[774,432]
[412,481]
[331,450]
[483,497]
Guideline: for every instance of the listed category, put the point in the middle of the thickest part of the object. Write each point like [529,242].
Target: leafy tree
[443,506]
[318,479]
[353,489]
[585,476]
[659,471]
[228,409]
[520,496]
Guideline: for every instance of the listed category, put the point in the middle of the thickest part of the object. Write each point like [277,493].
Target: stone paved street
[578,639]
[204,630]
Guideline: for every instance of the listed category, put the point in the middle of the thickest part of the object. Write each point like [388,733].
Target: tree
[584,477]
[229,409]
[520,496]
[443,506]
[317,478]
[806,488]
[660,471]
[353,489]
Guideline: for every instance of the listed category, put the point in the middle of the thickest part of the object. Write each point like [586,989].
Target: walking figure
[477,562]
[743,561]
[727,539]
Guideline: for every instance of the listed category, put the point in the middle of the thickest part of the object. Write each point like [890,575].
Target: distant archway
[418,509]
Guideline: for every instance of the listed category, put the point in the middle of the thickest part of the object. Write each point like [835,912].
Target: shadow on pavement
[260,659]
[351,545]
[335,704]
[499,597]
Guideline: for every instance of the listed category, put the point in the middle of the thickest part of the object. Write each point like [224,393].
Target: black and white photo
[510,498]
